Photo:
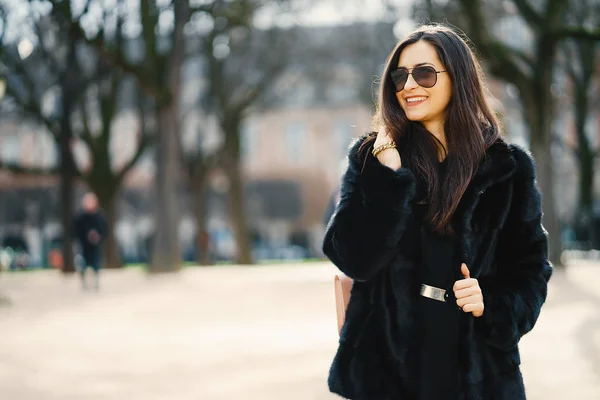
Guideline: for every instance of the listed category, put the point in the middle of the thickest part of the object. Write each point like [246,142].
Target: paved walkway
[265,333]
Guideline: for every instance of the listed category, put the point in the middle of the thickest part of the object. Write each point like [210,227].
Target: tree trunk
[68,169]
[198,189]
[106,189]
[112,253]
[538,110]
[545,176]
[236,198]
[166,255]
[106,186]
[67,180]
[585,211]
[538,115]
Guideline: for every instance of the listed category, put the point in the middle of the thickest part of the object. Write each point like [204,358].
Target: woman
[439,225]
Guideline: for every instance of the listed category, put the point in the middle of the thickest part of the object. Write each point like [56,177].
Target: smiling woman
[421,107]
[423,87]
[439,226]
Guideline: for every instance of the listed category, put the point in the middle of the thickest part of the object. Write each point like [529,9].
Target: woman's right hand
[390,157]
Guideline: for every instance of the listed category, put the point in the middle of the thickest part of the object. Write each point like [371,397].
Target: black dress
[438,321]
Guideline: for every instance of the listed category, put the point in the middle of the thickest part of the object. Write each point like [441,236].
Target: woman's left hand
[468,293]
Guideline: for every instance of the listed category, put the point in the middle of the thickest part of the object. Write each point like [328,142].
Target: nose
[410,83]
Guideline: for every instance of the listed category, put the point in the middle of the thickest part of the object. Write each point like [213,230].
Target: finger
[465,271]
[472,307]
[470,291]
[465,283]
[474,299]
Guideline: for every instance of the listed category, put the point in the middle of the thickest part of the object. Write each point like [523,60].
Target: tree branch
[497,54]
[146,139]
[582,54]
[108,105]
[520,54]
[255,92]
[575,32]
[199,164]
[149,18]
[85,10]
[529,14]
[501,61]
[30,104]
[51,62]
[33,109]
[3,20]
[117,59]
[86,135]
[206,8]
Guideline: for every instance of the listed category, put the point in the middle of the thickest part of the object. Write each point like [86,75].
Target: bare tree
[158,74]
[242,62]
[27,87]
[579,61]
[28,82]
[233,92]
[531,72]
[103,177]
[198,166]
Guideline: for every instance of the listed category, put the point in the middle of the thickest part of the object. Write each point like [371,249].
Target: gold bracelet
[385,146]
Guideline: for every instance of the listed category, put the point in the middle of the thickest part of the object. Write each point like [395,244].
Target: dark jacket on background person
[85,222]
[500,238]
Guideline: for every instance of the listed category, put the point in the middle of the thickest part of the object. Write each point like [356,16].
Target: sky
[331,12]
[316,13]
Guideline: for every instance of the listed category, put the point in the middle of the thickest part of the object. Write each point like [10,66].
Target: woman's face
[425,105]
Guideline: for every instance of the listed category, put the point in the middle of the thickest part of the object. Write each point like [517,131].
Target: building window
[295,141]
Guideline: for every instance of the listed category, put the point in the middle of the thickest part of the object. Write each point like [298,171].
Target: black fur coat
[502,242]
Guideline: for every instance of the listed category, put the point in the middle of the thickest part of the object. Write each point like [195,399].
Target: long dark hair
[470,125]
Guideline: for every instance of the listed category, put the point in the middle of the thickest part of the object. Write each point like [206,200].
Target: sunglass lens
[399,77]
[425,76]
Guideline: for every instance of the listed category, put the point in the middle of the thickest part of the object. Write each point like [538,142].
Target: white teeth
[415,99]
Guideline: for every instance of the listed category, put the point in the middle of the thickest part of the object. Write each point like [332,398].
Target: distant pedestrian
[90,231]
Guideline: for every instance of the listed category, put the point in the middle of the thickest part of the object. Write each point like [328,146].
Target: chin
[416,117]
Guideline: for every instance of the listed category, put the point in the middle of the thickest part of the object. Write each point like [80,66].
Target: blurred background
[213,134]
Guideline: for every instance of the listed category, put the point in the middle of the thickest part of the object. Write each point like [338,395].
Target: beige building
[305,144]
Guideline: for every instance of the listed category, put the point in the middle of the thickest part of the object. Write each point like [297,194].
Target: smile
[416,100]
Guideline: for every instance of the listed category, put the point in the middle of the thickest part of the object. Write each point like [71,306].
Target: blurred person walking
[90,230]
[439,226]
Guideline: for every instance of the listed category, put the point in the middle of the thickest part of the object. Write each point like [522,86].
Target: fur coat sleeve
[515,291]
[368,223]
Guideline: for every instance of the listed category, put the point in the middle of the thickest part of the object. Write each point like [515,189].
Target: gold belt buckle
[433,292]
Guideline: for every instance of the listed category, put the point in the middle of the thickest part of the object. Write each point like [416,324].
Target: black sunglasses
[425,76]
